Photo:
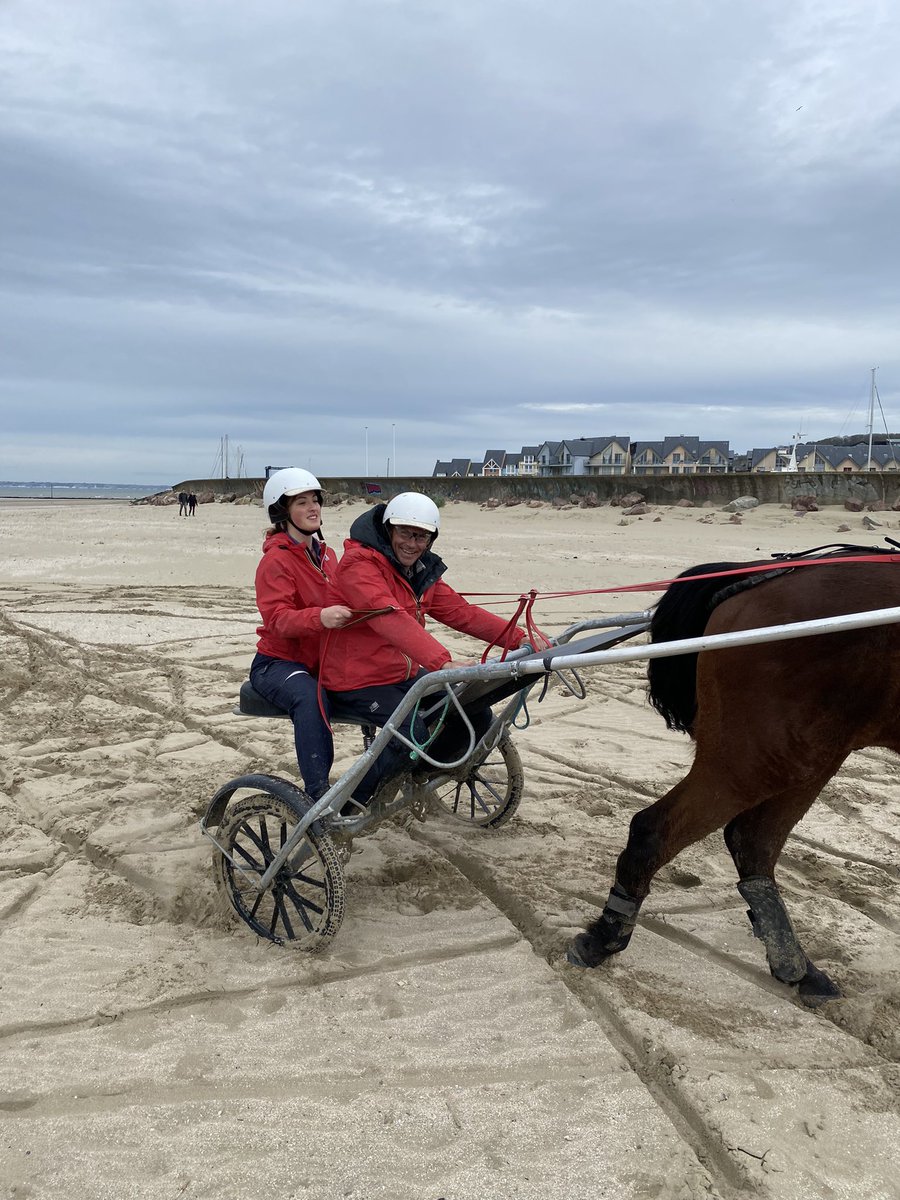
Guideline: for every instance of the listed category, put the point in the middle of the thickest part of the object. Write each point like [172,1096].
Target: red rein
[527,600]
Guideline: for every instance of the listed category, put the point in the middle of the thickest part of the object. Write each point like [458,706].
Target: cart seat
[252,704]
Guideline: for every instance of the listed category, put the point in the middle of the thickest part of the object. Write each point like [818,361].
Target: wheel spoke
[250,832]
[301,877]
[252,862]
[281,907]
[266,845]
[490,787]
[302,904]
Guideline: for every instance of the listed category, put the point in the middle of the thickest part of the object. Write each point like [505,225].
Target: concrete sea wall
[664,489]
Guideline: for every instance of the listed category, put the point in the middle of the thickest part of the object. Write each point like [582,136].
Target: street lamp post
[367,449]
[394,447]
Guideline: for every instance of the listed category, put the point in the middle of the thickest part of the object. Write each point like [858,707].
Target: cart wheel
[490,794]
[304,905]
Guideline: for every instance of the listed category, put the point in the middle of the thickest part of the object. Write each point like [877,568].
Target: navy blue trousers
[375,705]
[290,686]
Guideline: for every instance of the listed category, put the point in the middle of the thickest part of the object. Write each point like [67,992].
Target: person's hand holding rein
[335,616]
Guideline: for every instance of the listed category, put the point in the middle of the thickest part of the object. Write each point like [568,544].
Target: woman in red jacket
[290,594]
[368,667]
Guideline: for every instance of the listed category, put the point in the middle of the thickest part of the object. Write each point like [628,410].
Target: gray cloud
[481,224]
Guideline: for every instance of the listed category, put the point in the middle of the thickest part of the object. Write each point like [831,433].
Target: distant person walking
[183,504]
[192,503]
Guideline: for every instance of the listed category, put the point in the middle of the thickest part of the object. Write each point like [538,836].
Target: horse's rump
[686,608]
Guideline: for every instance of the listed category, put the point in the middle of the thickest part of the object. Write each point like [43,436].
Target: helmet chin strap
[304,532]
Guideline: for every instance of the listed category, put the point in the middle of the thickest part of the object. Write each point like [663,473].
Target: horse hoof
[573,956]
[580,953]
[816,988]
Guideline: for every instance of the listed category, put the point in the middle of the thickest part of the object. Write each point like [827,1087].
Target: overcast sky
[310,225]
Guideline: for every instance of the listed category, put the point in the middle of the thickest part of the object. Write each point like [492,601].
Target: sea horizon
[47,489]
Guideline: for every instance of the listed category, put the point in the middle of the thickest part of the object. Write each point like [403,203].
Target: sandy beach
[442,1048]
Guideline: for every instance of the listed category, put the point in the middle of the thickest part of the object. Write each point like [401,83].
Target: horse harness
[831,551]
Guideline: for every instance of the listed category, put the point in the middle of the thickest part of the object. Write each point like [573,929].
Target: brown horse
[772,724]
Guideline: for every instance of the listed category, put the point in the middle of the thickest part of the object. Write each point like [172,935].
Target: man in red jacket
[290,594]
[388,564]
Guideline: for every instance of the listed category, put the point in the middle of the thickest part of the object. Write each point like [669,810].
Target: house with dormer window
[528,461]
[647,459]
[609,456]
[681,455]
[493,462]
[550,458]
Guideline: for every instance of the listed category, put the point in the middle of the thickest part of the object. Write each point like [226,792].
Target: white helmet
[290,481]
[412,508]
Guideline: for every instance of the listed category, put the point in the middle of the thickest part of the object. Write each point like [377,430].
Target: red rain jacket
[290,594]
[395,646]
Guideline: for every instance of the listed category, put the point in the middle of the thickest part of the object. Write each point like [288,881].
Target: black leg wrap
[609,934]
[773,927]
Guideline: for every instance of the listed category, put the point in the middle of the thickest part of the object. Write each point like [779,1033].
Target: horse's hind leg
[705,800]
[755,839]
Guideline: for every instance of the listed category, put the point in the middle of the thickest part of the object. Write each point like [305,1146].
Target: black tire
[304,906]
[491,792]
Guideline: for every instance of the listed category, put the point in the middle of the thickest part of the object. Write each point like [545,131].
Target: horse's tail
[683,612]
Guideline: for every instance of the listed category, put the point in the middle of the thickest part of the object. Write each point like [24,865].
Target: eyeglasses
[419,536]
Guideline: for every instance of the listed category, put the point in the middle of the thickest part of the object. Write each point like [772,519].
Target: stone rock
[535,504]
[735,519]
[558,502]
[226,498]
[741,504]
[248,500]
[623,522]
[492,502]
[896,505]
[804,504]
[870,523]
[512,502]
[589,500]
[655,519]
[685,503]
[630,499]
[206,498]
[707,504]
[877,506]
[843,529]
[636,510]
[854,505]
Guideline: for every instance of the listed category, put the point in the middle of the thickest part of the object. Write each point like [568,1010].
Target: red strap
[536,637]
[660,585]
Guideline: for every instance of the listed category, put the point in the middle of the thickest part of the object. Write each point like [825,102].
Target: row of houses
[810,456]
[681,455]
[614,455]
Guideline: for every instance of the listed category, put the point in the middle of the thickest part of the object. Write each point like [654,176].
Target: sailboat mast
[871,419]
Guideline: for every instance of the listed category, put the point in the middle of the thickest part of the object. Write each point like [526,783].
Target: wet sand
[151,1046]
